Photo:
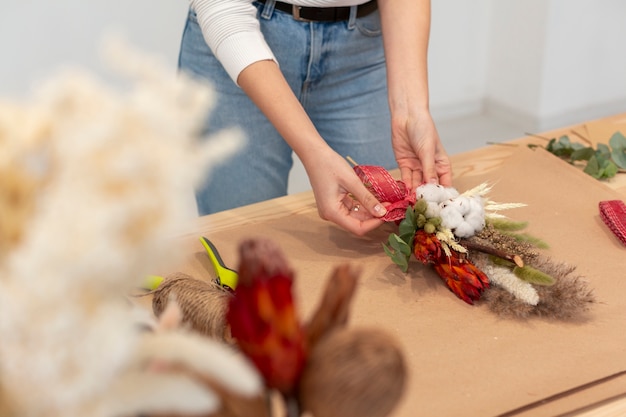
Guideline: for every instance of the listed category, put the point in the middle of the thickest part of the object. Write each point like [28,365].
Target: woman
[327,79]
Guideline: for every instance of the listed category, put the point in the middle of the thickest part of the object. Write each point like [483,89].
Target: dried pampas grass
[92,182]
[567,299]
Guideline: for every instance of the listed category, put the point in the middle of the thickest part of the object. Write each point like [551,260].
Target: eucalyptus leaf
[610,169]
[600,167]
[602,163]
[583,154]
[397,258]
[604,150]
[593,166]
[618,141]
[399,245]
[619,157]
[407,226]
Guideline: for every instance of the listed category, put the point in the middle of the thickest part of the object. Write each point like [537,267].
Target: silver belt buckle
[295,12]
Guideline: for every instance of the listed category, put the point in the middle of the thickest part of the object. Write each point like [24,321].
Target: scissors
[226,277]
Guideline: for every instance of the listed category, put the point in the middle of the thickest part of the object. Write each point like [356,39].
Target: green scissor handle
[152,282]
[226,277]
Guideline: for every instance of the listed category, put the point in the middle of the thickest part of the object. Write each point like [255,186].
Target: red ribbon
[386,190]
[613,213]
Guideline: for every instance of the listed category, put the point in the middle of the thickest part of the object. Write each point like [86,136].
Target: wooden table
[268,217]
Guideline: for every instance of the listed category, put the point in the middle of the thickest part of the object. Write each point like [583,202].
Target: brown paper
[600,131]
[464,360]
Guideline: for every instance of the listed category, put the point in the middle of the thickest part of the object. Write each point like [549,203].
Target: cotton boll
[476,220]
[477,205]
[451,193]
[460,204]
[464,229]
[450,217]
[432,210]
[431,192]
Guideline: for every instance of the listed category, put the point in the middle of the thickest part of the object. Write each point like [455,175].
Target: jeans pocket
[369,25]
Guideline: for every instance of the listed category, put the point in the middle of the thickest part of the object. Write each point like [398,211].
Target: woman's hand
[418,149]
[340,195]
[420,155]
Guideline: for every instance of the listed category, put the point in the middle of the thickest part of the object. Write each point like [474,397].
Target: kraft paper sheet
[464,360]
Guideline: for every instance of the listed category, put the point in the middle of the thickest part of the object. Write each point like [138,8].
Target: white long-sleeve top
[233,33]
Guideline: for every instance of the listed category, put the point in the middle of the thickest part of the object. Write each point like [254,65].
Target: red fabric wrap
[386,190]
[613,213]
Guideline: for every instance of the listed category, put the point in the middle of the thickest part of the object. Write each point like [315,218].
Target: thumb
[370,203]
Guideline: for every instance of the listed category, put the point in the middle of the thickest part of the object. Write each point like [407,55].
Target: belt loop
[268,9]
[352,18]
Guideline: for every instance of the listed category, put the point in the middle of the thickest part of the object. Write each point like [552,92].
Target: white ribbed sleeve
[233,33]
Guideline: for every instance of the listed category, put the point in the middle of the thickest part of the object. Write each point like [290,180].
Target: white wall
[556,62]
[40,36]
[535,63]
[458,56]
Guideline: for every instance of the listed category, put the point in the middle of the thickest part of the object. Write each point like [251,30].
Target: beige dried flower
[93,181]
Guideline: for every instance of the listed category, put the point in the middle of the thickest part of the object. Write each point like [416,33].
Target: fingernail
[433,181]
[380,210]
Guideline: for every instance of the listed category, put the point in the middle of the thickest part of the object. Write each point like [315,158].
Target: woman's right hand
[340,195]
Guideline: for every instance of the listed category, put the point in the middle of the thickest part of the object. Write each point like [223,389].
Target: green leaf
[617,141]
[407,226]
[534,276]
[610,169]
[583,154]
[397,257]
[399,245]
[564,141]
[603,150]
[619,157]
[600,167]
[593,167]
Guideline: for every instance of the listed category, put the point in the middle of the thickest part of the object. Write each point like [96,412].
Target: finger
[410,177]
[371,204]
[445,178]
[444,169]
[427,160]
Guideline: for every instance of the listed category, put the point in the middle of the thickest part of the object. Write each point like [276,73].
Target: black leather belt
[323,14]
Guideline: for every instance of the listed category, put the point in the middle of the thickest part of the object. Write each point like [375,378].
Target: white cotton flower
[450,217]
[461,204]
[506,279]
[476,221]
[431,192]
[477,205]
[432,209]
[451,193]
[464,230]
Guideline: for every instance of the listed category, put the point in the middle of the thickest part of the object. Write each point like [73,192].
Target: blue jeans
[337,71]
